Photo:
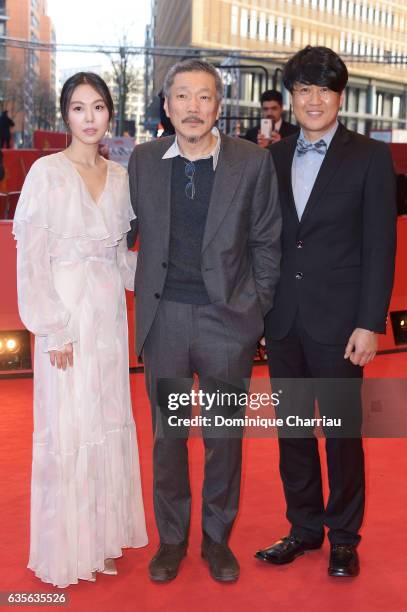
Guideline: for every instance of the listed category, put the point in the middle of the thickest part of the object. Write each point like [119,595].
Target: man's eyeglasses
[305,92]
[189,173]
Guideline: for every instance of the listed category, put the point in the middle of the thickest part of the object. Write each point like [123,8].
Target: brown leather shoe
[223,565]
[165,564]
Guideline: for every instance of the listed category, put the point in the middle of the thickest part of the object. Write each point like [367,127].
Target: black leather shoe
[223,565]
[286,550]
[344,561]
[165,564]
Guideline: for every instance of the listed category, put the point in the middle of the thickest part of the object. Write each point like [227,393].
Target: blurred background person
[266,133]
[5,134]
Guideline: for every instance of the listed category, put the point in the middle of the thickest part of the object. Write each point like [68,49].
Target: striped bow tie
[303,147]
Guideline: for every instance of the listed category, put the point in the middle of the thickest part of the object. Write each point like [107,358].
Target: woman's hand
[62,358]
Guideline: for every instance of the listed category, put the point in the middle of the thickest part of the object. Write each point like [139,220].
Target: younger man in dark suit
[271,108]
[337,194]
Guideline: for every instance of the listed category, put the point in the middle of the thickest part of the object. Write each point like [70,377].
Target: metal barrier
[8,203]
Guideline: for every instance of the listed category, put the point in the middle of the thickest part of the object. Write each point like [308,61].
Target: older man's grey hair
[192,65]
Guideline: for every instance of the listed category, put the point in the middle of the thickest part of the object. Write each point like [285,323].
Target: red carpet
[303,585]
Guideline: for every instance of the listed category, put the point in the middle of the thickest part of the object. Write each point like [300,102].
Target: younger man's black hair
[316,66]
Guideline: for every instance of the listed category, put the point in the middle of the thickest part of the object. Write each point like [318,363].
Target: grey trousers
[185,340]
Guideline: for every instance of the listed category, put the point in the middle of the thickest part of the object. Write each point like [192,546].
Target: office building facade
[30,95]
[257,37]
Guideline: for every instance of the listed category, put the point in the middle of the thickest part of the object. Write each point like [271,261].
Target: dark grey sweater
[184,281]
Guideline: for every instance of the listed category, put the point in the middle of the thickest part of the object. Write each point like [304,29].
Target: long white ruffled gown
[72,268]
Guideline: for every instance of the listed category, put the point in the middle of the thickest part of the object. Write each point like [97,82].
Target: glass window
[387,105]
[287,36]
[384,18]
[244,18]
[379,104]
[362,107]
[253,24]
[34,21]
[249,85]
[256,87]
[234,20]
[262,26]
[350,100]
[280,30]
[271,31]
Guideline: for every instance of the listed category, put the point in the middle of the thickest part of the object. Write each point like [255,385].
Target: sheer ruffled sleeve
[127,262]
[40,307]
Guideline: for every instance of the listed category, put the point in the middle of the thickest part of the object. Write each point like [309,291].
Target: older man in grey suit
[208,219]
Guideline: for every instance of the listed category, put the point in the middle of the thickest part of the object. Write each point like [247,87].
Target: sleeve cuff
[129,272]
[377,329]
[57,340]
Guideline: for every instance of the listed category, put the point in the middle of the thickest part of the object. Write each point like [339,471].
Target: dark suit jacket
[337,263]
[287,129]
[241,246]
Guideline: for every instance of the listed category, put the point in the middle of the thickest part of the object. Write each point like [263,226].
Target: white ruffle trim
[50,200]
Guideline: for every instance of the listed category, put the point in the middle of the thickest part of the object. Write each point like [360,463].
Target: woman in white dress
[72,268]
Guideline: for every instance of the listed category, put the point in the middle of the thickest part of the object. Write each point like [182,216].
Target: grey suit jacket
[240,256]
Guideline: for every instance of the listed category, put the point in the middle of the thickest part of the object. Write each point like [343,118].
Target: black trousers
[185,340]
[307,363]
